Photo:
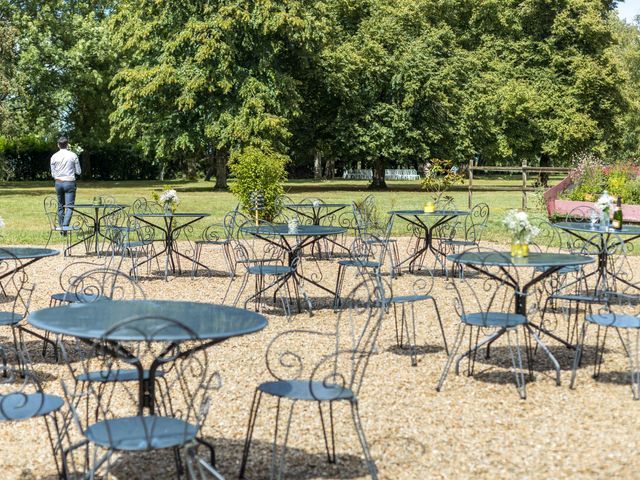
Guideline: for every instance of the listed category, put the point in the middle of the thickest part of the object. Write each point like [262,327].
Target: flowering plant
[440,175]
[604,202]
[168,198]
[518,224]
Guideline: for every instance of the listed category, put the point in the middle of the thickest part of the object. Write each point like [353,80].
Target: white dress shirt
[65,165]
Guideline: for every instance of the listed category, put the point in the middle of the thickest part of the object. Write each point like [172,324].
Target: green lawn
[21,202]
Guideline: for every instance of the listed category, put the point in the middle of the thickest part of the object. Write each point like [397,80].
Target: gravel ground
[477,427]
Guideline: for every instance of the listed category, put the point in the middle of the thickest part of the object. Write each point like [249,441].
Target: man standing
[64,168]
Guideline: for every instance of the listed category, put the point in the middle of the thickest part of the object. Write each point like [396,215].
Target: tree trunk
[329,168]
[378,175]
[221,170]
[86,164]
[317,165]
[545,161]
[209,167]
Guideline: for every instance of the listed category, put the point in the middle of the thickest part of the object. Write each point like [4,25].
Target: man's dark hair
[63,142]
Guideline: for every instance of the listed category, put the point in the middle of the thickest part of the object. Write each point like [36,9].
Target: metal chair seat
[494,319]
[270,270]
[614,320]
[135,243]
[116,375]
[306,390]
[20,406]
[407,299]
[213,242]
[141,433]
[563,270]
[594,298]
[458,242]
[359,263]
[9,318]
[74,297]
[68,228]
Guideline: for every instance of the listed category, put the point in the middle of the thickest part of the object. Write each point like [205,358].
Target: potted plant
[440,174]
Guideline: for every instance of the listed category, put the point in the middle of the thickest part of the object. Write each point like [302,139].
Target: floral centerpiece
[168,199]
[439,176]
[522,232]
[603,206]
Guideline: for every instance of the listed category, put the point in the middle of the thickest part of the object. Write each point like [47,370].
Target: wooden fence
[524,170]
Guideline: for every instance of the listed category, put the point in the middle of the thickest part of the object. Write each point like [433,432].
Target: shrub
[258,170]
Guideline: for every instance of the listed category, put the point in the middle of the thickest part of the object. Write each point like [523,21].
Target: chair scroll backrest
[142,346]
[476,223]
[104,284]
[488,292]
[338,361]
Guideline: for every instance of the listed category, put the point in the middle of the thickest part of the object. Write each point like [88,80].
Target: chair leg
[516,362]
[329,446]
[339,280]
[357,422]
[278,467]
[454,350]
[633,353]
[444,336]
[253,415]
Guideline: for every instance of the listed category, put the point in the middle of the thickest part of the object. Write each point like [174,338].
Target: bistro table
[421,220]
[293,243]
[205,324]
[544,264]
[317,211]
[96,217]
[171,230]
[600,238]
[30,254]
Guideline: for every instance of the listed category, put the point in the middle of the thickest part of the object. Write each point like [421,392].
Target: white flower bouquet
[169,199]
[519,226]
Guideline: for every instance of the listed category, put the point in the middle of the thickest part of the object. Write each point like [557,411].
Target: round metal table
[600,238]
[171,230]
[97,216]
[206,323]
[293,244]
[30,254]
[421,220]
[319,211]
[544,263]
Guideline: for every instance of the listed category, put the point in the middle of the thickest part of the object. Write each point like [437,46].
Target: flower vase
[519,248]
[604,218]
[167,209]
[429,207]
[293,225]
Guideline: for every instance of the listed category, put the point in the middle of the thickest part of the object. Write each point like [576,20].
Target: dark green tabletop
[93,320]
[96,205]
[535,259]
[319,205]
[23,253]
[436,213]
[586,227]
[282,230]
[176,215]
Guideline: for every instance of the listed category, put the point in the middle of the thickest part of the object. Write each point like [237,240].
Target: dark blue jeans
[66,192]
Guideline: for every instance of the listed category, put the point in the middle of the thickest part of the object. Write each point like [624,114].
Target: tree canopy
[380,83]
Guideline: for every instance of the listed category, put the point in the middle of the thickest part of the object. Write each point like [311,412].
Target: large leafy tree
[210,77]
[546,84]
[8,35]
[63,68]
[400,78]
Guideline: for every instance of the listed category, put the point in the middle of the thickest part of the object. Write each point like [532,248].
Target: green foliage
[591,178]
[259,170]
[439,176]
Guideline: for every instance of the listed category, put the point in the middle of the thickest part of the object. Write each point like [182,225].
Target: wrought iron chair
[404,311]
[85,282]
[368,252]
[332,372]
[173,424]
[466,233]
[264,262]
[15,299]
[130,238]
[217,235]
[366,217]
[620,314]
[79,226]
[22,398]
[487,303]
